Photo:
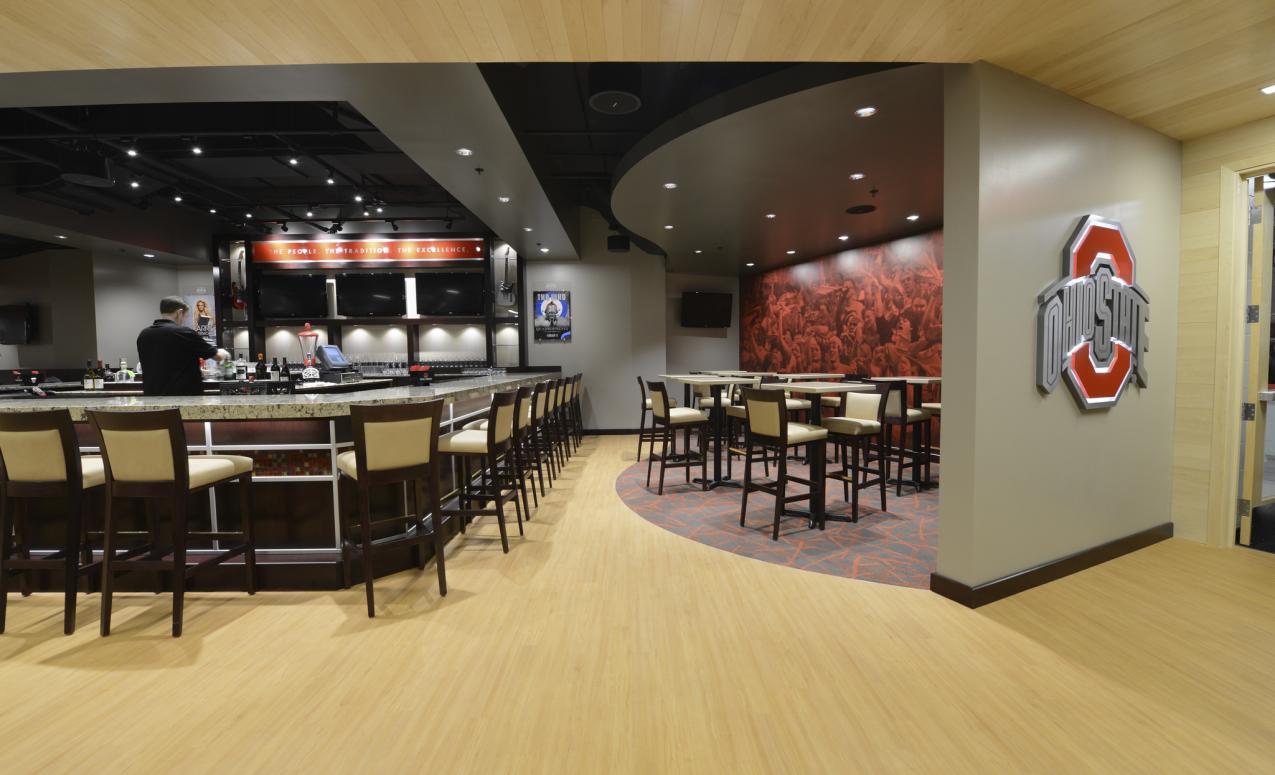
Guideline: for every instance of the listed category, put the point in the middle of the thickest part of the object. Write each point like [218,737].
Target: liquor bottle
[89,376]
[241,368]
[285,373]
[99,377]
[274,369]
[123,375]
[262,374]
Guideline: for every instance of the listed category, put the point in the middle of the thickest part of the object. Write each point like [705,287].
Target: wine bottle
[261,372]
[89,377]
[285,373]
[99,377]
[274,369]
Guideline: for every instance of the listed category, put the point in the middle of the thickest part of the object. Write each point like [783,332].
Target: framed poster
[552,321]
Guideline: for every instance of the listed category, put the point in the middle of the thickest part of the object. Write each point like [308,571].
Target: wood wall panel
[1185,68]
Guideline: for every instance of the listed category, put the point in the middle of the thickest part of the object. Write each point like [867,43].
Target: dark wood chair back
[396,442]
[865,406]
[500,421]
[144,453]
[39,453]
[659,402]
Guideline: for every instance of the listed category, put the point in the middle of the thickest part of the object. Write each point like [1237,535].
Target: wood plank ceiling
[1186,68]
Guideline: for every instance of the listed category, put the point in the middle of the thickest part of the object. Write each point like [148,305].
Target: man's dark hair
[170,304]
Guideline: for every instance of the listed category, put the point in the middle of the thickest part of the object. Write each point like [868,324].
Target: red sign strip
[339,253]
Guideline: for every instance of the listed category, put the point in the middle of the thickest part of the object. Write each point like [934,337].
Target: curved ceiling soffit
[791,156]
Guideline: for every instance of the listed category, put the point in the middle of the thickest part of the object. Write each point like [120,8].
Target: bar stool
[522,430]
[145,457]
[858,426]
[666,421]
[935,410]
[768,428]
[40,458]
[905,418]
[577,411]
[497,468]
[643,433]
[392,444]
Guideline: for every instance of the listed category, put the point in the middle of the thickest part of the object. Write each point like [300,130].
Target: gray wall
[60,285]
[1029,478]
[617,326]
[690,349]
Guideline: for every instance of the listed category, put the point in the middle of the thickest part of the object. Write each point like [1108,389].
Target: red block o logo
[1091,323]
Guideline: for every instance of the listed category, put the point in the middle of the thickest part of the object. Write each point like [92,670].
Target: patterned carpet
[898,546]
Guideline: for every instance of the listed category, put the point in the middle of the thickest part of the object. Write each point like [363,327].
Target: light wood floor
[602,644]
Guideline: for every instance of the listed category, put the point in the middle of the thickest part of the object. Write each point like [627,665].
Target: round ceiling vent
[615,88]
[861,209]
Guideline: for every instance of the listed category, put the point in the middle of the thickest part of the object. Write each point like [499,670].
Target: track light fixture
[283,227]
[393,225]
[331,180]
[358,197]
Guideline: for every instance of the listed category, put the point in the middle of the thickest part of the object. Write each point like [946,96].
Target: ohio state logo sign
[1091,324]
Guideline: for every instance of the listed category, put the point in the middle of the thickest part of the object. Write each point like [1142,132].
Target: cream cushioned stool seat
[913,415]
[796,404]
[481,425]
[204,472]
[347,463]
[242,463]
[465,442]
[682,415]
[933,408]
[833,401]
[801,433]
[737,411]
[851,426]
[710,401]
[671,402]
[93,471]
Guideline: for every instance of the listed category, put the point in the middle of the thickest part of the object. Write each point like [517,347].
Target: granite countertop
[285,407]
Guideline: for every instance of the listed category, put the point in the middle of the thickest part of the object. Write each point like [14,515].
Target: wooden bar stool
[666,421]
[497,468]
[906,418]
[145,457]
[392,444]
[40,459]
[768,429]
[858,433]
[522,433]
[643,433]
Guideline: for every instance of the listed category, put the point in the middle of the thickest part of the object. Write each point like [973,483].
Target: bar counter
[294,441]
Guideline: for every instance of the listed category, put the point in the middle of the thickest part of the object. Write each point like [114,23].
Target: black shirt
[170,359]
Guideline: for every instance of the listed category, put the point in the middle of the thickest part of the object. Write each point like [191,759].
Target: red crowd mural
[875,311]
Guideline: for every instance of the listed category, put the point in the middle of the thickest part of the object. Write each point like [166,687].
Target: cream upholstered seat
[933,408]
[94,471]
[481,425]
[205,472]
[680,415]
[146,456]
[833,401]
[851,426]
[796,404]
[913,415]
[803,433]
[671,402]
[737,411]
[861,418]
[464,442]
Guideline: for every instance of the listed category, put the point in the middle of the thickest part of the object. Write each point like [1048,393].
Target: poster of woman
[552,322]
[202,316]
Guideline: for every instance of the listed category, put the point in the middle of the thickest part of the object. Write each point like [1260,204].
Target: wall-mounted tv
[292,296]
[702,309]
[368,294]
[449,294]
[17,323]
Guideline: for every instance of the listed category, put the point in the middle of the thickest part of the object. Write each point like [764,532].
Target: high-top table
[918,385]
[820,389]
[716,413]
[810,375]
[742,373]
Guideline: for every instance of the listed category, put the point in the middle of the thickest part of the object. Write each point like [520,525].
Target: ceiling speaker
[615,89]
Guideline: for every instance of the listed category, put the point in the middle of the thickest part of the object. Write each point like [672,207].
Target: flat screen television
[366,294]
[702,309]
[449,294]
[17,323]
[292,296]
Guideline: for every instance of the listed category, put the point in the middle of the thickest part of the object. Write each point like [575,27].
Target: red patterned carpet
[898,546]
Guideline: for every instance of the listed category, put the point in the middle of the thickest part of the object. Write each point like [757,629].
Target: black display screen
[17,323]
[701,309]
[449,294]
[292,296]
[371,295]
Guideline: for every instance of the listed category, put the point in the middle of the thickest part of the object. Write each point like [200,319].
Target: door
[1257,440]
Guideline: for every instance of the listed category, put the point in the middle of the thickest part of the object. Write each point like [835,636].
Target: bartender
[170,352]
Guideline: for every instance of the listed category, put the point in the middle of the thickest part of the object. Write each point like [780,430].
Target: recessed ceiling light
[670,186]
[380,209]
[668,227]
[132,152]
[134,184]
[60,236]
[309,213]
[331,180]
[914,217]
[195,149]
[148,255]
[247,215]
[866,111]
[366,213]
[697,252]
[750,263]
[856,176]
[544,250]
[177,197]
[294,161]
[504,200]
[844,237]
[791,252]
[212,210]
[358,197]
[464,152]
[1268,89]
[526,228]
[771,216]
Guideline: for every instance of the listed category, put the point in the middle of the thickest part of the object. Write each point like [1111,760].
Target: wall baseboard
[997,589]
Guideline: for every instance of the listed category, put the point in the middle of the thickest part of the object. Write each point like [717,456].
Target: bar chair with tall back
[396,443]
[145,457]
[667,420]
[768,429]
[857,432]
[911,456]
[643,433]
[521,439]
[497,467]
[40,459]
